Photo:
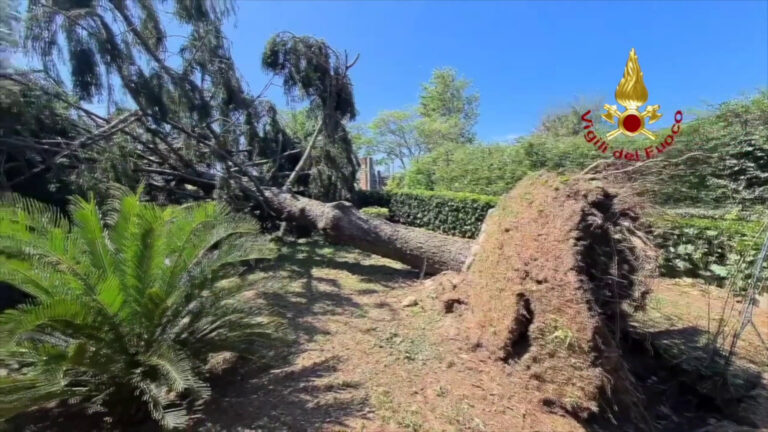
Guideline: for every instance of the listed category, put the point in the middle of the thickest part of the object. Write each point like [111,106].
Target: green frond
[39,250]
[117,206]
[23,276]
[58,313]
[88,224]
[110,294]
[177,370]
[20,393]
[202,238]
[143,266]
[32,214]
[155,398]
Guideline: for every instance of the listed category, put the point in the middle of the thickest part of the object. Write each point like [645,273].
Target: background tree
[488,170]
[393,136]
[448,111]
[567,122]
[445,117]
[299,124]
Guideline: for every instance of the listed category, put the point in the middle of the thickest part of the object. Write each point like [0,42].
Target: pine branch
[304,157]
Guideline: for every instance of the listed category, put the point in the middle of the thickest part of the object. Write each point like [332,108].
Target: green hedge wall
[456,214]
[706,248]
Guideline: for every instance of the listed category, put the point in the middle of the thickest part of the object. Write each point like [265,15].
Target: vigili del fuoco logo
[631,94]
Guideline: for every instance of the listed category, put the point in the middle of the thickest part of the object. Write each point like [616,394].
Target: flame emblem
[631,93]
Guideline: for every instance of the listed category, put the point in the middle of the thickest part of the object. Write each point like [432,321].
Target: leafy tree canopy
[394,137]
[449,109]
[567,122]
[445,117]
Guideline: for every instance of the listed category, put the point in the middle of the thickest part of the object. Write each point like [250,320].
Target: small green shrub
[456,214]
[705,248]
[376,212]
[125,310]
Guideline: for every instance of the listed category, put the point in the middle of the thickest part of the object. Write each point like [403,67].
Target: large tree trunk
[342,224]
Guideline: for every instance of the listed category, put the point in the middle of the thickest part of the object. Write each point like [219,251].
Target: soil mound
[545,291]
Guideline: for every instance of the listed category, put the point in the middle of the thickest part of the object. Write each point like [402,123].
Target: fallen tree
[341,223]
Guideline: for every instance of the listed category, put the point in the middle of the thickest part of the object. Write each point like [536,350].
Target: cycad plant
[125,304]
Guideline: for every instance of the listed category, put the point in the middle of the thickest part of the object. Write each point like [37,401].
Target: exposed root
[450,304]
[519,341]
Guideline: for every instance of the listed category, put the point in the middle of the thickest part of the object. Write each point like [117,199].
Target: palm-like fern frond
[123,299]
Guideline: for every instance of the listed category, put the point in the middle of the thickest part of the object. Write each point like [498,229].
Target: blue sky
[524,58]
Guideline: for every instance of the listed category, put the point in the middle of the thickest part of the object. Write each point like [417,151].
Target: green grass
[392,413]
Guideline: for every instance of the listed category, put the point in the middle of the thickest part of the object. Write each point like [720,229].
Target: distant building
[368,178]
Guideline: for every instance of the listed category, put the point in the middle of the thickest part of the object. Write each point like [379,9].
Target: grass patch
[391,412]
[559,337]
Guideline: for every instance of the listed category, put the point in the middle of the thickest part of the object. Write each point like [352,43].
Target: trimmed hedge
[706,248]
[456,214]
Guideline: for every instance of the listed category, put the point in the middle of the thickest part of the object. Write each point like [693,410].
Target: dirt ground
[372,356]
[688,305]
[375,352]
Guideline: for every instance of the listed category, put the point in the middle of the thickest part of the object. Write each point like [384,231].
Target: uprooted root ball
[556,268]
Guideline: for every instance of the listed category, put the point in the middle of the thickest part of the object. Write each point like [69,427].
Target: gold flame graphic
[631,91]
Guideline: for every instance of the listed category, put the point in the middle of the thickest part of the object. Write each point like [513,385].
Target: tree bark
[342,224]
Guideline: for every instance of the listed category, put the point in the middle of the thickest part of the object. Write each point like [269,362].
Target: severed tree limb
[304,157]
[92,115]
[110,129]
[255,183]
[276,160]
[189,179]
[27,143]
[254,191]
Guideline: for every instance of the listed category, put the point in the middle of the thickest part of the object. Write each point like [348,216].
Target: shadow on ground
[315,281]
[314,253]
[285,400]
[306,284]
[683,382]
